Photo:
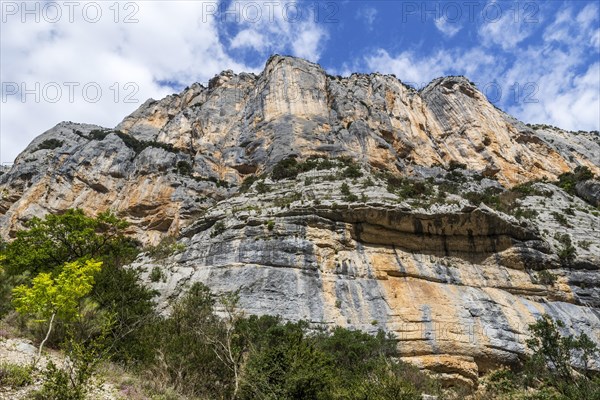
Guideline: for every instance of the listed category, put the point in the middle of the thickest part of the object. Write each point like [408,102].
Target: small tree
[553,352]
[49,297]
[48,243]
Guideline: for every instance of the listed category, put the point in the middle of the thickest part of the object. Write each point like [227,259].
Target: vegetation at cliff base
[65,277]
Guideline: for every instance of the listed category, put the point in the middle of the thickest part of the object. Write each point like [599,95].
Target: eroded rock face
[457,284]
[456,281]
[242,124]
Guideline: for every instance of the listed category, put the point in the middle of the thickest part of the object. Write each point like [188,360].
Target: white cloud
[447,28]
[167,43]
[273,27]
[418,71]
[507,30]
[547,81]
[367,15]
[172,41]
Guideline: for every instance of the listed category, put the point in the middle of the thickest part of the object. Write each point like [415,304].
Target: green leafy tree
[551,358]
[49,297]
[183,357]
[48,243]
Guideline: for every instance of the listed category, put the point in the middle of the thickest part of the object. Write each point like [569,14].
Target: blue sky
[97,61]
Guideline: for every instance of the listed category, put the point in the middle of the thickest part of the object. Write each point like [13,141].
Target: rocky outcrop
[590,191]
[456,281]
[458,285]
[242,124]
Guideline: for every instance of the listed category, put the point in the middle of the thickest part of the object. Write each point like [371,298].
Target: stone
[456,282]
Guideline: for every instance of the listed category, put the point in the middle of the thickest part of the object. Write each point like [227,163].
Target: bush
[546,278]
[262,187]
[248,181]
[202,355]
[156,275]
[14,375]
[130,141]
[348,195]
[218,229]
[48,244]
[561,219]
[185,356]
[454,165]
[98,135]
[284,169]
[290,167]
[49,144]
[184,168]
[407,188]
[165,248]
[569,180]
[566,252]
[552,353]
[352,171]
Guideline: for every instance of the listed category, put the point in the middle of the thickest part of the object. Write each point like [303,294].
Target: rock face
[415,250]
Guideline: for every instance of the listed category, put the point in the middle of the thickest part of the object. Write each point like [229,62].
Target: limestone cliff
[399,238]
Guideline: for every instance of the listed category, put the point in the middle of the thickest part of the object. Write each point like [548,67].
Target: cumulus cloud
[129,53]
[273,27]
[507,28]
[122,58]
[418,70]
[447,28]
[567,89]
[550,80]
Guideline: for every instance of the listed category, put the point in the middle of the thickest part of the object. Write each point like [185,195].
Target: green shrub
[561,219]
[348,195]
[407,188]
[130,141]
[248,182]
[546,278]
[528,189]
[262,187]
[284,169]
[454,165]
[14,375]
[156,274]
[49,144]
[46,244]
[186,356]
[352,171]
[184,168]
[490,197]
[73,380]
[218,229]
[566,252]
[287,200]
[120,292]
[165,248]
[98,135]
[218,182]
[569,180]
[526,213]
[552,354]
